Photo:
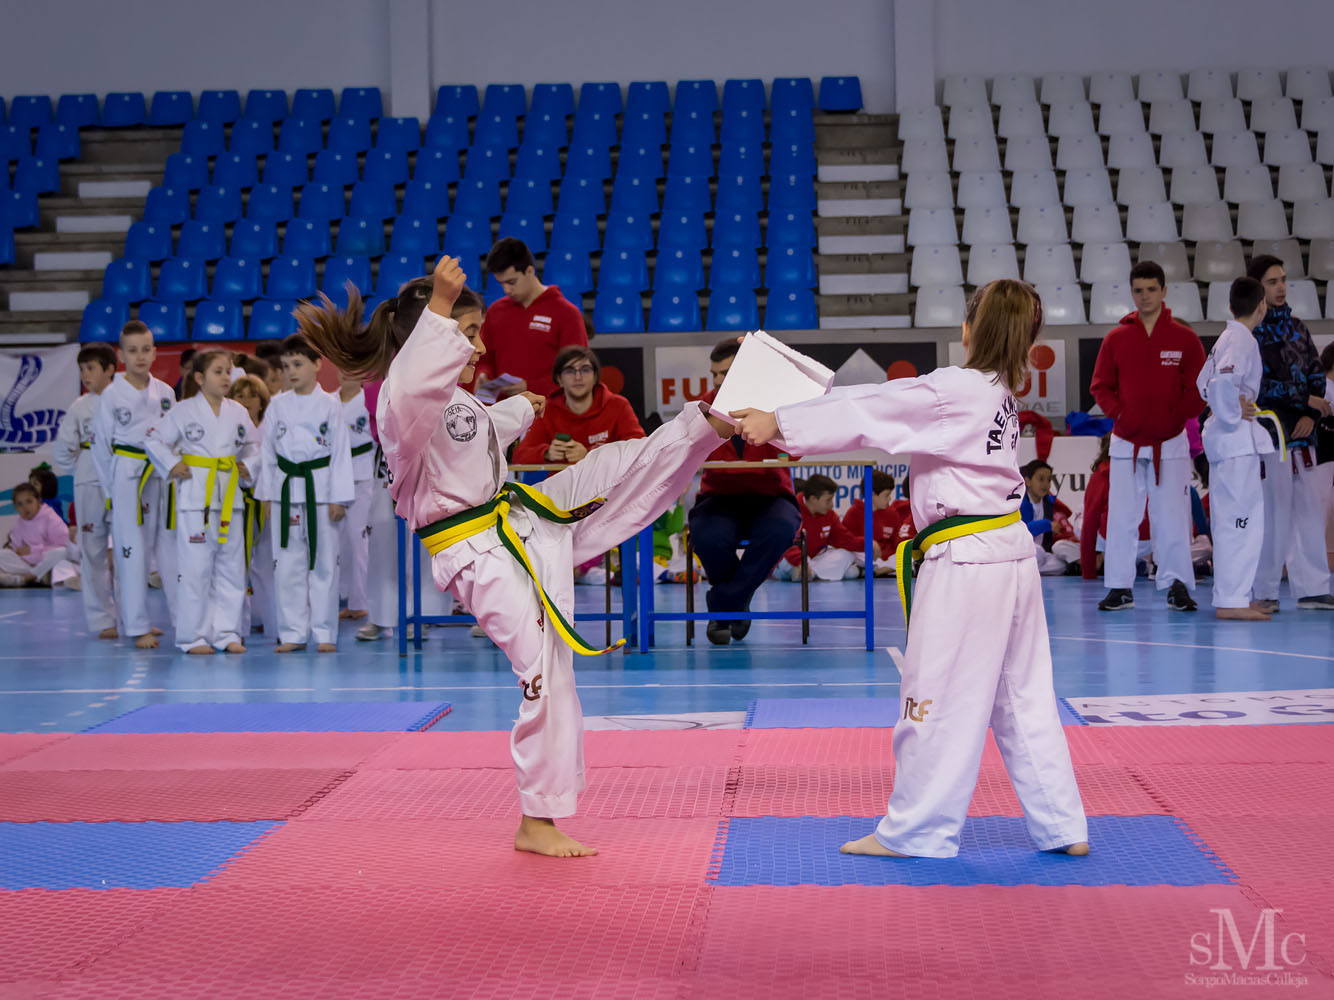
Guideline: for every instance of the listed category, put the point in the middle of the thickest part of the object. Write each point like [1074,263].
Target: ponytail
[1004,319]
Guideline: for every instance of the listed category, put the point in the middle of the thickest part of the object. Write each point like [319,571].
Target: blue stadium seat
[467,237]
[701,95]
[738,192]
[640,161]
[626,231]
[788,228]
[253,136]
[252,238]
[530,195]
[189,173]
[438,165]
[694,126]
[487,163]
[643,128]
[796,157]
[680,268]
[403,134]
[618,311]
[218,319]
[583,194]
[373,200]
[538,161]
[202,240]
[15,143]
[334,166]
[37,175]
[397,269]
[733,309]
[388,166]
[569,269]
[102,320]
[478,196]
[127,280]
[742,125]
[546,129]
[182,280]
[203,138]
[552,99]
[682,230]
[349,135]
[458,98]
[690,159]
[315,103]
[301,135]
[674,310]
[360,237]
[238,278]
[425,197]
[447,130]
[747,94]
[736,229]
[20,210]
[322,201]
[266,105]
[601,97]
[236,170]
[687,192]
[58,142]
[792,92]
[648,95]
[361,102]
[789,267]
[575,230]
[291,278]
[742,158]
[526,226]
[790,309]
[504,98]
[165,319]
[588,162]
[171,107]
[496,129]
[30,111]
[168,206]
[594,128]
[6,243]
[148,241]
[270,201]
[271,319]
[492,291]
[219,204]
[791,191]
[338,271]
[792,125]
[221,107]
[840,93]
[634,194]
[735,267]
[286,168]
[75,110]
[301,238]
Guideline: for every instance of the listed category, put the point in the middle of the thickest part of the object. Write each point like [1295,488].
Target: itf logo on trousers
[915,711]
[1228,960]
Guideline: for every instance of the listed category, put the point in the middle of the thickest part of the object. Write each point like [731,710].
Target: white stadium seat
[1061,88]
[1183,298]
[1028,153]
[1078,152]
[1289,251]
[931,227]
[1284,149]
[1208,85]
[925,154]
[980,189]
[1135,187]
[1096,224]
[1062,305]
[1159,85]
[1088,187]
[1273,114]
[929,189]
[1301,183]
[1303,299]
[1318,114]
[1052,263]
[1324,146]
[964,89]
[1219,309]
[968,121]
[1034,187]
[1104,262]
[1019,119]
[1308,83]
[1206,220]
[921,123]
[1193,185]
[1322,263]
[1111,87]
[939,305]
[1131,151]
[1258,84]
[976,153]
[1219,260]
[1041,224]
[1262,220]
[1171,116]
[1070,118]
[1226,115]
[1151,223]
[1235,149]
[1121,118]
[1109,301]
[1313,220]
[1171,257]
[987,225]
[935,266]
[1247,184]
[991,262]
[1013,88]
[1182,149]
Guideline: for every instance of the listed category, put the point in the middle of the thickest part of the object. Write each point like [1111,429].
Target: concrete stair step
[864,172]
[94,224]
[71,260]
[863,263]
[863,284]
[62,301]
[115,190]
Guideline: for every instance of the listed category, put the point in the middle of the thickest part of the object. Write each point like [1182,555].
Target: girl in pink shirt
[38,549]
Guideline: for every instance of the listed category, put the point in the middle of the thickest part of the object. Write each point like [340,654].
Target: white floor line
[1191,645]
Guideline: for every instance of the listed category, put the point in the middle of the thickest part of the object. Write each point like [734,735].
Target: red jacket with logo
[884,526]
[823,531]
[524,342]
[609,418]
[728,482]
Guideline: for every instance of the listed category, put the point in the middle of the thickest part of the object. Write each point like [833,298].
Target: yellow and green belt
[363,449]
[227,465]
[135,452]
[306,471]
[442,534]
[1272,417]
[912,550]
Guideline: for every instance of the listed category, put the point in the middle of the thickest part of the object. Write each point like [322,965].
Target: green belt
[306,471]
[363,449]
[944,530]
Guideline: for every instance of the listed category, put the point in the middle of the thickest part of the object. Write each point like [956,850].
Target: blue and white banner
[36,387]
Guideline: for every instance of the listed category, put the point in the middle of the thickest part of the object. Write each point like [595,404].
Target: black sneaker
[1117,599]
[1179,599]
[1316,602]
[740,627]
[719,633]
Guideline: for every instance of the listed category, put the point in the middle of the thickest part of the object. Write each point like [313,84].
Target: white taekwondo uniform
[354,539]
[72,454]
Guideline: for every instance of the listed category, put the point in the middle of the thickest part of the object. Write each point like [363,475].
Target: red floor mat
[1211,744]
[16,745]
[1258,789]
[173,751]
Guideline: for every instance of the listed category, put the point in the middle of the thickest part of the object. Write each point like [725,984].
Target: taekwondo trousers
[133,542]
[210,599]
[99,601]
[1237,522]
[1132,480]
[1295,496]
[354,548]
[307,599]
[382,572]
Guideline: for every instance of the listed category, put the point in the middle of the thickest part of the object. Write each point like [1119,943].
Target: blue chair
[496,129]
[530,195]
[547,129]
[322,201]
[643,128]
[301,135]
[526,226]
[440,166]
[165,319]
[266,105]
[21,210]
[679,268]
[743,125]
[186,172]
[360,237]
[583,194]
[202,240]
[674,310]
[492,291]
[397,269]
[736,229]
[790,267]
[102,320]
[792,92]
[618,311]
[447,130]
[739,192]
[334,166]
[286,168]
[203,138]
[402,134]
[37,175]
[692,95]
[349,135]
[221,107]
[315,103]
[425,197]
[687,192]
[478,197]
[735,267]
[690,159]
[373,200]
[30,111]
[271,319]
[795,157]
[742,158]
[694,126]
[791,192]
[648,95]
[218,319]
[640,161]
[388,166]
[291,278]
[218,204]
[574,230]
[182,280]
[238,278]
[487,163]
[552,99]
[74,110]
[747,94]
[6,243]
[239,170]
[168,206]
[253,238]
[792,125]
[362,102]
[252,136]
[458,98]
[504,98]
[626,231]
[788,228]
[58,142]
[148,241]
[840,93]
[592,162]
[15,143]
[269,201]
[600,97]
[733,309]
[467,236]
[338,271]
[682,230]
[171,107]
[301,238]
[127,280]
[538,161]
[594,128]
[790,309]
[570,270]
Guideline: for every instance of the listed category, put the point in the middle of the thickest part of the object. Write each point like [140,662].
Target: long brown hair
[363,351]
[1004,320]
[198,365]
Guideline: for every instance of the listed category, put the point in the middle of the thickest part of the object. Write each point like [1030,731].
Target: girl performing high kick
[506,551]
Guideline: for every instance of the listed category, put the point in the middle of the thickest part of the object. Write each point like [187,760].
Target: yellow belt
[912,550]
[442,534]
[1270,415]
[131,451]
[226,465]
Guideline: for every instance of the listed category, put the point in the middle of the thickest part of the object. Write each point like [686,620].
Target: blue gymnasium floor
[55,678]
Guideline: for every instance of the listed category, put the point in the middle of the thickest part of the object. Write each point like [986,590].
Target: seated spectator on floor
[831,549]
[884,522]
[46,484]
[1048,520]
[38,549]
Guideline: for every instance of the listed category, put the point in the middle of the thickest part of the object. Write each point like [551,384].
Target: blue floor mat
[993,850]
[278,717]
[120,855]
[846,713]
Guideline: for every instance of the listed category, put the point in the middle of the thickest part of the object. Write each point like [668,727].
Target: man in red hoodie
[580,416]
[1144,380]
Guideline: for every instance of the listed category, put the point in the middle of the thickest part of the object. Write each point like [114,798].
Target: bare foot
[1243,614]
[326,647]
[200,650]
[235,647]
[154,631]
[348,615]
[109,633]
[148,641]
[1074,850]
[289,647]
[869,845]
[540,836]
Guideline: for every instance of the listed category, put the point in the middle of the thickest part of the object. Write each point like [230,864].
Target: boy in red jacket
[1144,380]
[583,410]
[831,549]
[884,522]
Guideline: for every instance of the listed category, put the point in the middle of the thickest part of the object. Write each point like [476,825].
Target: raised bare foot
[869,845]
[540,836]
[349,615]
[235,647]
[326,647]
[148,641]
[200,650]
[1243,614]
[1075,850]
[109,632]
[289,647]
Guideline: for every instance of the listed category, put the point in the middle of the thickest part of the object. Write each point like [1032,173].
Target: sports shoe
[370,632]
[1117,599]
[1269,604]
[1179,599]
[476,630]
[1317,602]
[719,633]
[740,627]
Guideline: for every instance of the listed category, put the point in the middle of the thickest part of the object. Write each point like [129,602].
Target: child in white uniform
[128,407]
[306,482]
[977,644]
[354,540]
[209,444]
[507,554]
[72,453]
[260,613]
